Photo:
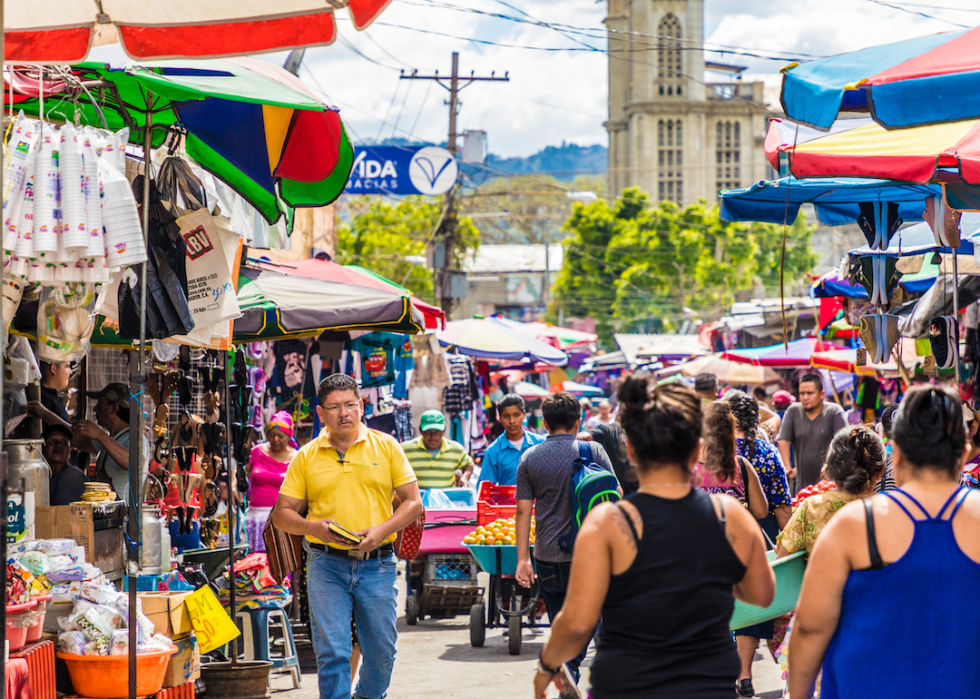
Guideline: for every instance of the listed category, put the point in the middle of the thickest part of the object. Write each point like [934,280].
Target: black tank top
[665,620]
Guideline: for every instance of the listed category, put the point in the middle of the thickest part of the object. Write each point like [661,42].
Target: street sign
[428,170]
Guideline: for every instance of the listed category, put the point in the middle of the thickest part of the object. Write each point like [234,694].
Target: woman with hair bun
[663,567]
[889,575]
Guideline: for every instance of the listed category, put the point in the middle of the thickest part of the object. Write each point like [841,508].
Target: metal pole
[231,476]
[136,383]
[956,318]
[3,456]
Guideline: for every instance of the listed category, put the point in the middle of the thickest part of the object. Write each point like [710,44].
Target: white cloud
[561,95]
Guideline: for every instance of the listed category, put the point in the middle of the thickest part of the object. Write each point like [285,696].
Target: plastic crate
[487,513]
[789,581]
[493,494]
[451,568]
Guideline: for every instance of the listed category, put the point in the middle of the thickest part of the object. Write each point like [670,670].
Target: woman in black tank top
[662,567]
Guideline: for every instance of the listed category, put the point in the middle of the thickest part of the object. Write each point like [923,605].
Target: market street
[435,659]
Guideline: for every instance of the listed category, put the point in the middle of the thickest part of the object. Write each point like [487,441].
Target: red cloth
[18,679]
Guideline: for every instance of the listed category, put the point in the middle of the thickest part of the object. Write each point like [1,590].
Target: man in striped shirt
[434,458]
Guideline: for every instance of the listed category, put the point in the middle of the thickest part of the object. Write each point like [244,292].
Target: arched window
[670,160]
[670,69]
[728,153]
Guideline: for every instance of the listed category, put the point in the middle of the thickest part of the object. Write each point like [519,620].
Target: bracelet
[544,669]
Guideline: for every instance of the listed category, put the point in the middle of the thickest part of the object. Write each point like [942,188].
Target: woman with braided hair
[766,461]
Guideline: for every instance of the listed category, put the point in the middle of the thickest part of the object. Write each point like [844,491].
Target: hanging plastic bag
[65,322]
[181,192]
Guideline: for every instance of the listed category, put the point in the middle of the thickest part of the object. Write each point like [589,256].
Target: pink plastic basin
[16,634]
[448,537]
[34,630]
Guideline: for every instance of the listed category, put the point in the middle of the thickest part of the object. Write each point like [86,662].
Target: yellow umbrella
[730,372]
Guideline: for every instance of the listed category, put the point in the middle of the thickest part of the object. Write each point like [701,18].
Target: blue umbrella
[837,200]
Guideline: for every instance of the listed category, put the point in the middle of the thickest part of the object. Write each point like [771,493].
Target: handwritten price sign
[211,622]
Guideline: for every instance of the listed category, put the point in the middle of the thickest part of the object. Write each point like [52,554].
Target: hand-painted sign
[400,170]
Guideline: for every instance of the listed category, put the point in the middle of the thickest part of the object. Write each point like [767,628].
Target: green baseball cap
[432,420]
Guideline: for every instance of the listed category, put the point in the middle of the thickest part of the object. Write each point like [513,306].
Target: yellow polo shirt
[356,493]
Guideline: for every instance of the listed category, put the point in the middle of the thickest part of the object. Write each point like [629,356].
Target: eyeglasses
[334,409]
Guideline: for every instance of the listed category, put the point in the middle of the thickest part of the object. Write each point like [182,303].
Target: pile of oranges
[500,532]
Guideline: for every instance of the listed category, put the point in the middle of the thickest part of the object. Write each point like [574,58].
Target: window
[669,67]
[670,160]
[728,152]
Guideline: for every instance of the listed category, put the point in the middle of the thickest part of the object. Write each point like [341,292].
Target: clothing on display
[377,351]
[404,364]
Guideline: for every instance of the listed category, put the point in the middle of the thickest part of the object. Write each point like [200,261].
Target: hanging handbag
[284,551]
[409,539]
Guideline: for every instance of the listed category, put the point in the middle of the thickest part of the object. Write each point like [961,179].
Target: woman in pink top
[266,471]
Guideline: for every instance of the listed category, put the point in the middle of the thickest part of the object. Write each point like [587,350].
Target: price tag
[211,622]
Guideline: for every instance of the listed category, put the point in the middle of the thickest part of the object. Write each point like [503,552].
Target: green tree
[634,267]
[382,234]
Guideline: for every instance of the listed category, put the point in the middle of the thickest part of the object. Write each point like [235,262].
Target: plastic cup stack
[74,236]
[47,225]
[25,229]
[120,217]
[20,150]
[93,194]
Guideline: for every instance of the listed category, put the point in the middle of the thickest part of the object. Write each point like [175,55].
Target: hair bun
[635,391]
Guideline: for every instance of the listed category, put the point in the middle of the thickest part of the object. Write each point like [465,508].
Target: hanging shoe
[953,338]
[153,388]
[944,222]
[864,274]
[878,221]
[890,333]
[939,341]
[868,334]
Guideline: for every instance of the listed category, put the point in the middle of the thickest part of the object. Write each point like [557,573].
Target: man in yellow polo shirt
[347,476]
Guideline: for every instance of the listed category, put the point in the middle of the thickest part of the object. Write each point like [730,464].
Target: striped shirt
[436,471]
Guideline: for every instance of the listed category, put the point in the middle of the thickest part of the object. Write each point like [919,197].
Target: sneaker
[868,335]
[944,222]
[878,221]
[890,333]
[939,341]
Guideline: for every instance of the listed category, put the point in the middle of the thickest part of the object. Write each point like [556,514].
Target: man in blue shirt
[502,457]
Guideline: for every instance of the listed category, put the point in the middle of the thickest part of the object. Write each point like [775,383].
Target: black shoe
[743,688]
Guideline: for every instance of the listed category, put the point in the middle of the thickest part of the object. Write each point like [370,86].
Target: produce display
[500,532]
[815,489]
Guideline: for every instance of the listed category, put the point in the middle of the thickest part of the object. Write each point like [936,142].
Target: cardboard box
[168,612]
[185,664]
[101,538]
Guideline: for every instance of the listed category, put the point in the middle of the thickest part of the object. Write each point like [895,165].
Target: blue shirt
[501,459]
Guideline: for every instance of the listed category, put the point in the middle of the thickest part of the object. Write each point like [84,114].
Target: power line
[915,12]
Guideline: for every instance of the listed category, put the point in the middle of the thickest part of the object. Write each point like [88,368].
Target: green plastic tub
[789,580]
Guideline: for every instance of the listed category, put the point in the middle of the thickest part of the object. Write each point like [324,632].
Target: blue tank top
[910,629]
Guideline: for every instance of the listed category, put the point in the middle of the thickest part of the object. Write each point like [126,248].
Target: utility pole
[447,230]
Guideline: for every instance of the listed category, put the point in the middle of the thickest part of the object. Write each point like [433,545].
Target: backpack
[591,484]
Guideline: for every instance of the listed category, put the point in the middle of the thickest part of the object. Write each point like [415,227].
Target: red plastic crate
[497,494]
[184,691]
[40,663]
[487,513]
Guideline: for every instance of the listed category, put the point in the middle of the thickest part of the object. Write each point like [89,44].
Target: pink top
[267,478]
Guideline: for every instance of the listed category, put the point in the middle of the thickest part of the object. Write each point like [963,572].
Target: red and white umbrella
[62,31]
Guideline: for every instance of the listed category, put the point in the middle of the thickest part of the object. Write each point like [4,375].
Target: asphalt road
[435,660]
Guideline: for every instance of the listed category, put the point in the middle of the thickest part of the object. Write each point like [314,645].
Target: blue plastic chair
[257,643]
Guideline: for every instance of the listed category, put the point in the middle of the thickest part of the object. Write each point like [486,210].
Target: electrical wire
[916,12]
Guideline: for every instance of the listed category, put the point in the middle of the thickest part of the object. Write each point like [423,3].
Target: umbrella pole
[956,318]
[137,382]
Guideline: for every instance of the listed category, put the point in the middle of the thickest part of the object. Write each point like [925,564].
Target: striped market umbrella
[928,80]
[491,339]
[727,371]
[63,31]
[796,354]
[248,122]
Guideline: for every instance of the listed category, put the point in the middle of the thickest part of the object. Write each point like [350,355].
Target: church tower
[671,133]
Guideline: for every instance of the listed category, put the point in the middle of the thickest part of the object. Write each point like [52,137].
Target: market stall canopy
[605,362]
[526,389]
[831,285]
[837,200]
[639,347]
[796,354]
[578,389]
[845,360]
[276,305]
[489,338]
[330,271]
[435,317]
[926,80]
[62,31]
[727,371]
[861,148]
[248,122]
[563,338]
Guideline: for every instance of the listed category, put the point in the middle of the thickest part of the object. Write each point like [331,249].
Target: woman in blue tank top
[662,567]
[884,606]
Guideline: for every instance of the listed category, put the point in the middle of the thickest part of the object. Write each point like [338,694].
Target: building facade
[671,133]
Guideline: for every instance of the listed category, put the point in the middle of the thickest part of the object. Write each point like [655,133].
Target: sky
[559,94]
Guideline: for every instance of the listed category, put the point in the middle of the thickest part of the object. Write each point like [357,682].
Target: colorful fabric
[772,475]
[703,478]
[810,518]
[436,471]
[284,421]
[377,352]
[354,490]
[267,476]
[404,363]
[403,423]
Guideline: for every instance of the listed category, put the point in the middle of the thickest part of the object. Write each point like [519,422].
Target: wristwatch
[544,669]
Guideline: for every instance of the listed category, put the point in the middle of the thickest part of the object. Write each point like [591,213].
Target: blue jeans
[337,587]
[553,583]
